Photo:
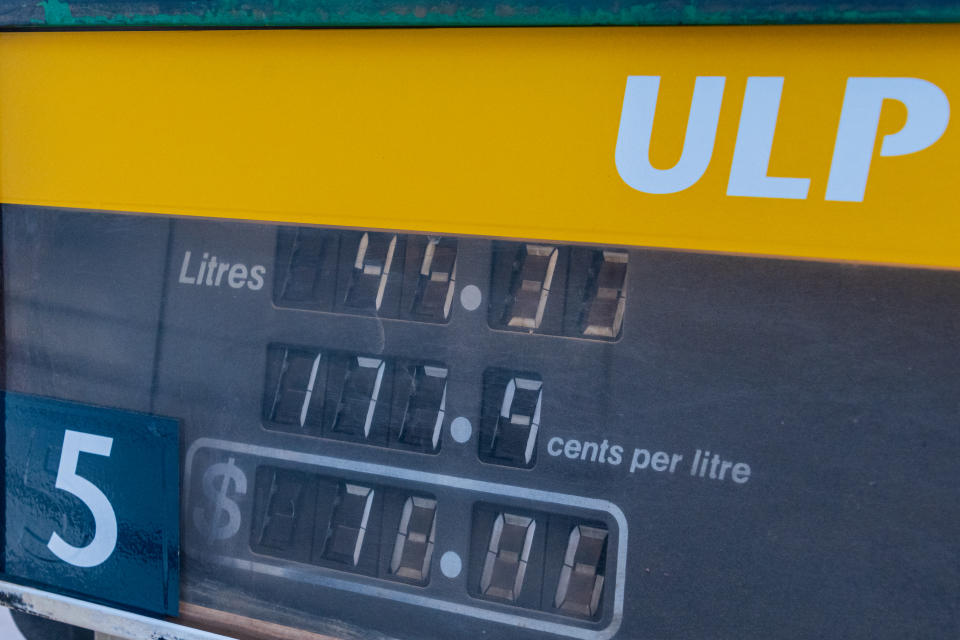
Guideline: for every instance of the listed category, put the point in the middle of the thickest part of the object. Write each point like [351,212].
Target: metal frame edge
[96,617]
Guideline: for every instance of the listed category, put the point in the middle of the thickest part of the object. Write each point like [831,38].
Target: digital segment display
[366,399]
[388,275]
[433,436]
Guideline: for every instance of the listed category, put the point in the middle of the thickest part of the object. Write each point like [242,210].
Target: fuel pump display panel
[416,436]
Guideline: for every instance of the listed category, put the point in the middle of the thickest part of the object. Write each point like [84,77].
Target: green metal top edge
[131,14]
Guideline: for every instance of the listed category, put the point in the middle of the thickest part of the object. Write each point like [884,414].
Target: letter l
[751,155]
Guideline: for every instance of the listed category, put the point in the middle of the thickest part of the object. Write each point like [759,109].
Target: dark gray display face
[413,437]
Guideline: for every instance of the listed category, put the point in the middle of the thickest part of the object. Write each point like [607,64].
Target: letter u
[636,127]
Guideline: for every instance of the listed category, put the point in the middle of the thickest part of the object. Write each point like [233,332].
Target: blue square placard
[93,502]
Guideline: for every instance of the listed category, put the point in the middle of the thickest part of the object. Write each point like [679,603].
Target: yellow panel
[491,131]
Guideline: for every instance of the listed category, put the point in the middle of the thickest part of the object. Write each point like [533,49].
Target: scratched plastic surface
[422,437]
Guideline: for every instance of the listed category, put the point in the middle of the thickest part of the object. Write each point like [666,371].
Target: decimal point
[461,429]
[450,564]
[471,297]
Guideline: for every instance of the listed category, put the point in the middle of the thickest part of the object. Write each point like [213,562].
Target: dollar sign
[226,514]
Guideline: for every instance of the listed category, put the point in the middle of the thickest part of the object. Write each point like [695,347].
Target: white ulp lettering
[632,154]
[751,154]
[928,112]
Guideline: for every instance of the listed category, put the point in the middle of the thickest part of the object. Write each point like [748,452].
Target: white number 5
[104,519]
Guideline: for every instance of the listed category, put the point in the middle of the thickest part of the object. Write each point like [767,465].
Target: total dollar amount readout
[320,520]
[530,559]
[395,403]
[534,287]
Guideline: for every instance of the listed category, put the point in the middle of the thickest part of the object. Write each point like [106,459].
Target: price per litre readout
[534,287]
[360,398]
[395,403]
[530,559]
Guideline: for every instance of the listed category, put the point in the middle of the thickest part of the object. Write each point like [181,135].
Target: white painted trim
[97,617]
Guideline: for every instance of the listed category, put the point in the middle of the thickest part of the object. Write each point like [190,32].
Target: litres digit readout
[388,275]
[558,290]
[535,287]
[371,271]
[530,284]
[604,298]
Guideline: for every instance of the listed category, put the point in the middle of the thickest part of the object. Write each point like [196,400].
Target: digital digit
[304,266]
[505,564]
[311,381]
[606,296]
[292,398]
[581,578]
[426,407]
[348,526]
[413,548]
[437,279]
[283,509]
[515,436]
[530,285]
[104,519]
[358,401]
[371,270]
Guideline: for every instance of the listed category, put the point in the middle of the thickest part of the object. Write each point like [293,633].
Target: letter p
[928,112]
